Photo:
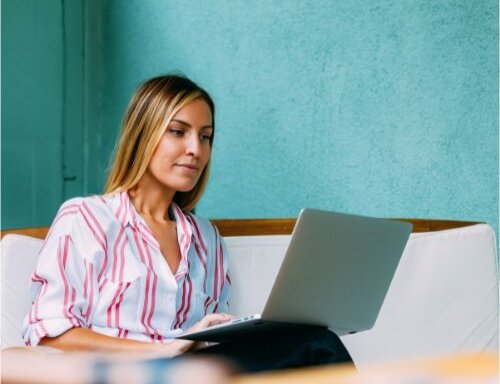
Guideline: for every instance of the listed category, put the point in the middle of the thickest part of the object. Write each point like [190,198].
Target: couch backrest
[254,262]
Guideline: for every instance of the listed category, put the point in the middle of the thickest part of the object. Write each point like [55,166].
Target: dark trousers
[304,348]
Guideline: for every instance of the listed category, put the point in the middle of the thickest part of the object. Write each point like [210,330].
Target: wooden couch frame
[255,227]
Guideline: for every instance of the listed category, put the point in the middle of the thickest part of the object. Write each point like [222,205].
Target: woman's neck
[151,200]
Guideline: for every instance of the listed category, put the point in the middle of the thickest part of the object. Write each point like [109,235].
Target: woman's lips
[189,167]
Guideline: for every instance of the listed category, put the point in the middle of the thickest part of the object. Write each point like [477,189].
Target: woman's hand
[179,346]
[209,320]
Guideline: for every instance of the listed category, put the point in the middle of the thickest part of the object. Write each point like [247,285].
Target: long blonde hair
[152,107]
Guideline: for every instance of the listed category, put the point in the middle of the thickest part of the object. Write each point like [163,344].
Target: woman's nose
[193,145]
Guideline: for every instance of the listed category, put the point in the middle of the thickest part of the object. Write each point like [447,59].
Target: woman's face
[184,149]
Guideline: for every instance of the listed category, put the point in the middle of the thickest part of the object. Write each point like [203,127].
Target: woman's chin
[185,188]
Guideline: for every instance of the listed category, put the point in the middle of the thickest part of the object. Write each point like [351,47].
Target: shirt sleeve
[63,283]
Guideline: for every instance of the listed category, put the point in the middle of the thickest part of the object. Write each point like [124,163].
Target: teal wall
[42,108]
[48,76]
[32,100]
[385,108]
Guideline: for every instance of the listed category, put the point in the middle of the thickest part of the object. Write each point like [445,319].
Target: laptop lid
[337,270]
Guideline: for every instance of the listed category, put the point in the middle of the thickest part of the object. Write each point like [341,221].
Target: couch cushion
[443,299]
[254,262]
[19,254]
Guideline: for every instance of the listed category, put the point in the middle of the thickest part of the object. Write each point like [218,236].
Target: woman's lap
[309,347]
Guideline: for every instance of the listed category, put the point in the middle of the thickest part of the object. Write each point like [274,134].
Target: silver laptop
[336,272]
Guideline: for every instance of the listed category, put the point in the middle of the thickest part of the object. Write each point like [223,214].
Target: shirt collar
[184,236]
[127,215]
[124,210]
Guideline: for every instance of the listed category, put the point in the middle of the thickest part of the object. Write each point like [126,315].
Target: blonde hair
[152,107]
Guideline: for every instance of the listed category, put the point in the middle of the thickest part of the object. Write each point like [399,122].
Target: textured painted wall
[385,108]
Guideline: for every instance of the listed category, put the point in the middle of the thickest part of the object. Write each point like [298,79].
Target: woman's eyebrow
[187,124]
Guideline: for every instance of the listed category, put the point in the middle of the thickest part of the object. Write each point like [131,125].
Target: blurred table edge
[474,366]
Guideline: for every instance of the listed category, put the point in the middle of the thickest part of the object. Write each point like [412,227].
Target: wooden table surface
[467,368]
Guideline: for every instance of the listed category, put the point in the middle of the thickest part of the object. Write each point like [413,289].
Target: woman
[133,268]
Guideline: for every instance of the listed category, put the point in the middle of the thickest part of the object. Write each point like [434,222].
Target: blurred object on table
[45,366]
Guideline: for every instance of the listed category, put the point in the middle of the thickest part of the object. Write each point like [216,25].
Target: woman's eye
[177,132]
[205,137]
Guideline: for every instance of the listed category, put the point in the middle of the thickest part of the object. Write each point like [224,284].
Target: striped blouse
[101,268]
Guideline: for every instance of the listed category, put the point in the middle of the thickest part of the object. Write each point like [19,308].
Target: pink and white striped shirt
[101,268]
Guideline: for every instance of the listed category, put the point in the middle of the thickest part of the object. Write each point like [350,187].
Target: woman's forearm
[82,339]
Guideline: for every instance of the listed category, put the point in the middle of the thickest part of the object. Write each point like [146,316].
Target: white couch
[444,298]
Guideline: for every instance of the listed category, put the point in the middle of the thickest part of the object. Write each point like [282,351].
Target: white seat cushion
[443,299]
[254,262]
[19,254]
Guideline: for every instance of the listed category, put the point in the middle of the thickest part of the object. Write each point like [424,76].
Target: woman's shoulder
[93,204]
[94,210]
